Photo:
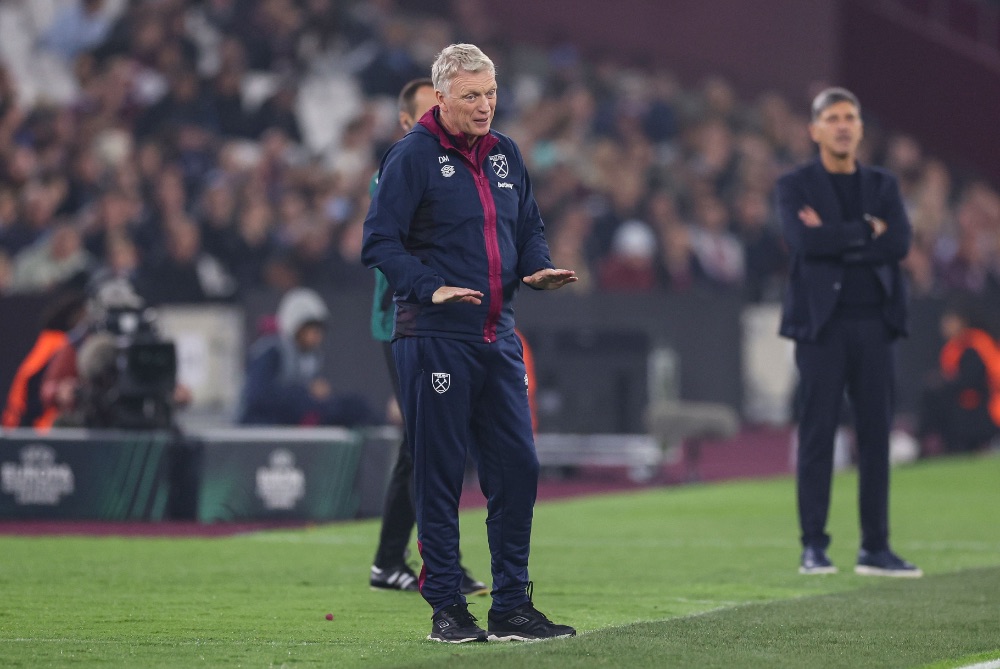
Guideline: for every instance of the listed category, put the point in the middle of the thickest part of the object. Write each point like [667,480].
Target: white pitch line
[992,664]
[270,536]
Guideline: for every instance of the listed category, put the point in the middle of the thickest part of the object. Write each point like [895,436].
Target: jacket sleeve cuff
[426,287]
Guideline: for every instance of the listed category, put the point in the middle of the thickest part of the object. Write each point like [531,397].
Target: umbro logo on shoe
[525,623]
[454,624]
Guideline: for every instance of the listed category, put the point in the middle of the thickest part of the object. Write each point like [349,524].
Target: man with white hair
[454,227]
[390,571]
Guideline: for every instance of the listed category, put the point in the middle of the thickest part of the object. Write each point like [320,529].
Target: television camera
[128,371]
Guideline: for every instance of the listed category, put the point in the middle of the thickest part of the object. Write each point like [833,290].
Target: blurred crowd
[207,148]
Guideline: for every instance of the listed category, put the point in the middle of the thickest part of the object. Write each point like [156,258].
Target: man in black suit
[845,306]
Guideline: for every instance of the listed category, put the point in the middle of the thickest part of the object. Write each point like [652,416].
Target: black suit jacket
[819,255]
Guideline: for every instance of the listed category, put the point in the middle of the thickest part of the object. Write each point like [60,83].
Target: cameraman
[81,381]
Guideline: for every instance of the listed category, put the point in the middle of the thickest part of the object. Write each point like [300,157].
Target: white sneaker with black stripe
[400,577]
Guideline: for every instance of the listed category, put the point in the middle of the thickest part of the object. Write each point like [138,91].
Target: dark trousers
[460,397]
[856,355]
[398,516]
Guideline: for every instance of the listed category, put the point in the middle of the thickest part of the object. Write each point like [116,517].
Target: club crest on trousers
[440,382]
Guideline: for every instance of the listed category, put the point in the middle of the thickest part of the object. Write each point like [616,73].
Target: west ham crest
[499,163]
[440,382]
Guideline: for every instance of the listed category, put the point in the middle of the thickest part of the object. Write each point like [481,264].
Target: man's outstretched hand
[543,279]
[455,294]
[550,279]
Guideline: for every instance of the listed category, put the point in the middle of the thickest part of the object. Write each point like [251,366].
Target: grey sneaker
[454,624]
[885,563]
[815,561]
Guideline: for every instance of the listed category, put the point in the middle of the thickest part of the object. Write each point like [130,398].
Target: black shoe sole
[867,570]
[812,571]
[519,637]
[431,637]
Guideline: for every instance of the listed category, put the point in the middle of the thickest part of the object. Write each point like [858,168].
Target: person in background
[284,377]
[454,227]
[845,305]
[24,406]
[61,382]
[962,406]
[720,253]
[77,27]
[64,386]
[390,570]
[56,257]
[630,265]
[186,273]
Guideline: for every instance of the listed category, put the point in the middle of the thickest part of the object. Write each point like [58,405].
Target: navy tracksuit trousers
[856,355]
[460,397]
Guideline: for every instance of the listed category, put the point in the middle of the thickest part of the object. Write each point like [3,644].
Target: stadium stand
[249,129]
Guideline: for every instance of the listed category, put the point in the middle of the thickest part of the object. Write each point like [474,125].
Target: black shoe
[471,586]
[815,561]
[885,563]
[525,623]
[400,577]
[454,624]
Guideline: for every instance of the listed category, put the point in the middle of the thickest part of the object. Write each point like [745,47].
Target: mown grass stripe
[701,576]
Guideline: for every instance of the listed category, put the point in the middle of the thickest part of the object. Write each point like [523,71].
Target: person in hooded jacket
[284,382]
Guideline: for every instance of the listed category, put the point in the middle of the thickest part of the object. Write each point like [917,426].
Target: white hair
[458,58]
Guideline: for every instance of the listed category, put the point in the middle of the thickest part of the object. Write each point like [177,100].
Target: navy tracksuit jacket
[445,214]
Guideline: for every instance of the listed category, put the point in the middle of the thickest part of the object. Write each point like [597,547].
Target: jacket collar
[472,154]
[828,197]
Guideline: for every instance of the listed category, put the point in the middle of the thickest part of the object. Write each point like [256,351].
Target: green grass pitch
[690,576]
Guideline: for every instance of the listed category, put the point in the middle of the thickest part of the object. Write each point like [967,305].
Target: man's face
[423,100]
[310,336]
[838,130]
[469,105]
